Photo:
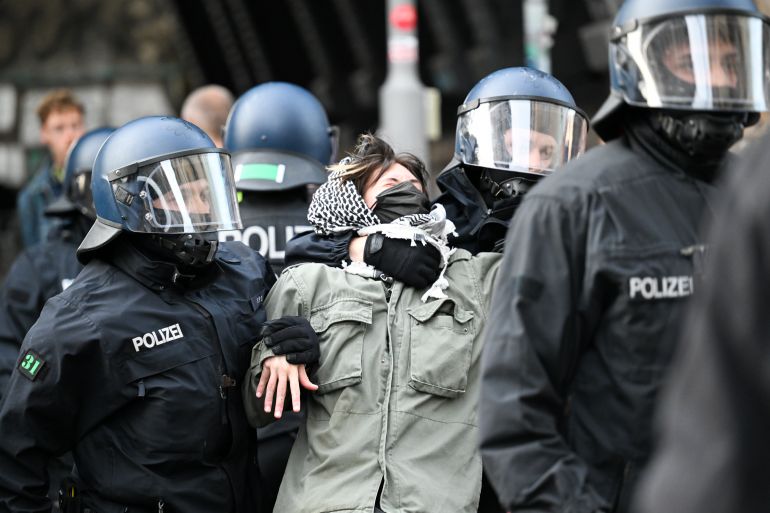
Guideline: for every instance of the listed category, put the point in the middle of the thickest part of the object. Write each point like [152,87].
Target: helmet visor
[187,194]
[80,193]
[714,62]
[527,136]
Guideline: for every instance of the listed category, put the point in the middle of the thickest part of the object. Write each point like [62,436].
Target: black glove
[292,337]
[416,266]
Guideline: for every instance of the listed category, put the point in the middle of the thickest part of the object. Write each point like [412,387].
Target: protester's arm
[532,345]
[283,340]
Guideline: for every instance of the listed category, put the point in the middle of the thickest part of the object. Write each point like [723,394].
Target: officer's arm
[531,347]
[311,247]
[56,388]
[21,300]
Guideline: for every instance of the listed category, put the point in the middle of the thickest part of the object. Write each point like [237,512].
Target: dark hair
[371,158]
[56,101]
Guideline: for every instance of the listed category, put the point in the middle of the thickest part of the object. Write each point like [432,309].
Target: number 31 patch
[31,365]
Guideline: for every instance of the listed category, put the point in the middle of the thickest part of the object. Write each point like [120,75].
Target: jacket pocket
[441,348]
[341,326]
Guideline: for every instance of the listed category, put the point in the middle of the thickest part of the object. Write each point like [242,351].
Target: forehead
[65,114]
[398,172]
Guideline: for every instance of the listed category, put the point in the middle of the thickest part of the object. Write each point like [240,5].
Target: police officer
[589,300]
[281,141]
[136,366]
[515,126]
[713,415]
[46,269]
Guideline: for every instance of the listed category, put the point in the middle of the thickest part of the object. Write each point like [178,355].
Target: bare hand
[276,373]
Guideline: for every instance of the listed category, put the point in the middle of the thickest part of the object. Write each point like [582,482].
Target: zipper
[222,371]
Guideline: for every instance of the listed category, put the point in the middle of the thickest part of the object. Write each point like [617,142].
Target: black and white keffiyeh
[337,207]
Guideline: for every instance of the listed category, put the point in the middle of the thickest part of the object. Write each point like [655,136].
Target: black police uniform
[587,310]
[136,369]
[480,224]
[37,274]
[714,414]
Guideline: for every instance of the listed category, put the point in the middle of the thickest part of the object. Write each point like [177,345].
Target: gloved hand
[416,266]
[292,337]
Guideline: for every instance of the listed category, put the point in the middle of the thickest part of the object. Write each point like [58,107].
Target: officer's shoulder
[236,252]
[94,279]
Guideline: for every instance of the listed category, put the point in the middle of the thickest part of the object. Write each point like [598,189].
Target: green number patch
[31,365]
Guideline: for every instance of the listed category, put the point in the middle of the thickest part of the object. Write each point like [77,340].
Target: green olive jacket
[398,390]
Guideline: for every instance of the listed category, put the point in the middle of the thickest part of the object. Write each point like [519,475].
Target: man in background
[61,123]
[207,107]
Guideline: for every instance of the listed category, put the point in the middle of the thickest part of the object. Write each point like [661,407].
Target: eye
[546,152]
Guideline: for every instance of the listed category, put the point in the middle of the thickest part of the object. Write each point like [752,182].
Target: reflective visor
[186,194]
[528,136]
[716,62]
[80,193]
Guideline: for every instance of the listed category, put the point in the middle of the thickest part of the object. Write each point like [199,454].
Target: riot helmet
[519,120]
[693,60]
[280,138]
[77,175]
[162,177]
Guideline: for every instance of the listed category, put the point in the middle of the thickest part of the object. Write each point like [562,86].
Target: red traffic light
[404,17]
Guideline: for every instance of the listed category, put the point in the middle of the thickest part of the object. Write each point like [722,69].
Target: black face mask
[706,136]
[399,201]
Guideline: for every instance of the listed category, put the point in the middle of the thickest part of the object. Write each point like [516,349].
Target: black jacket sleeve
[715,414]
[58,390]
[312,247]
[532,344]
[21,299]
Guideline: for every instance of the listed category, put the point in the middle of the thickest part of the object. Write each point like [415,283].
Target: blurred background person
[207,107]
[602,257]
[61,123]
[48,268]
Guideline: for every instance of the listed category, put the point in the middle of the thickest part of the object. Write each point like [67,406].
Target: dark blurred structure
[128,58]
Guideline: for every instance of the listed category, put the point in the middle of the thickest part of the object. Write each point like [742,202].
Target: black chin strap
[190,250]
[504,189]
[701,135]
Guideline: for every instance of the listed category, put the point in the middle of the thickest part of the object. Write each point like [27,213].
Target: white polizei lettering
[156,338]
[666,287]
[250,232]
[274,253]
